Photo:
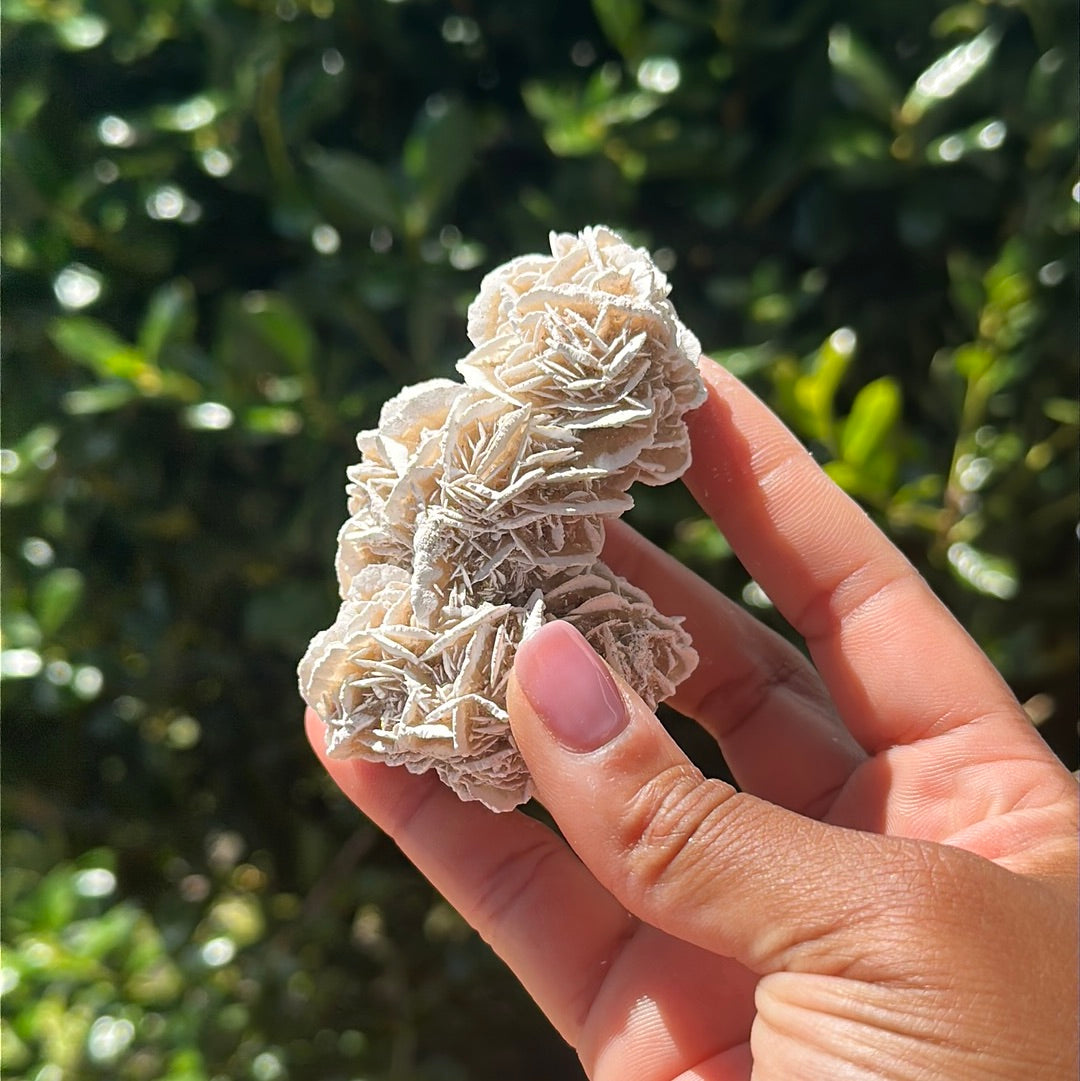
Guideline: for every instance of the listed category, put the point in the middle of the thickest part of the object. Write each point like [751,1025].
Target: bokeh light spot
[165,203]
[209,416]
[218,951]
[82,31]
[325,239]
[59,673]
[992,135]
[19,663]
[216,162]
[95,882]
[77,286]
[37,551]
[1052,273]
[115,131]
[109,1038]
[381,240]
[659,73]
[87,682]
[843,341]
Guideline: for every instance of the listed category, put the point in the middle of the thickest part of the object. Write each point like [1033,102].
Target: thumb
[692,856]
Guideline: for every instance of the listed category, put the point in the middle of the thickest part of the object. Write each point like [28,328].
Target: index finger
[898,665]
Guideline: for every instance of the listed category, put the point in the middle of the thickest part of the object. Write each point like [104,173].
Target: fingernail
[570,688]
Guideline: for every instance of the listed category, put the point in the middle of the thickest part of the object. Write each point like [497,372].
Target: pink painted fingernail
[570,688]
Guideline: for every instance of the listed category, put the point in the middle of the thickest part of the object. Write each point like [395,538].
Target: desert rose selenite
[477,511]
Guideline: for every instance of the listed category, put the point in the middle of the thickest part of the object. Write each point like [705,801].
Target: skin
[891,893]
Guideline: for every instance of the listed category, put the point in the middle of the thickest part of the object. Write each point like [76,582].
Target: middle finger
[753,691]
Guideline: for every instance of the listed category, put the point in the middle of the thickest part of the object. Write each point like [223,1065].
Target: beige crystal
[477,510]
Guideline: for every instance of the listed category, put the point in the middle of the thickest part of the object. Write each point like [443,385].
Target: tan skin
[892,893]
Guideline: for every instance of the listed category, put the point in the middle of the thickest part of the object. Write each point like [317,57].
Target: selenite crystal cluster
[477,511]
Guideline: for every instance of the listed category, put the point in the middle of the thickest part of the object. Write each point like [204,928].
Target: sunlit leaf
[815,390]
[972,361]
[845,475]
[981,137]
[13,1051]
[96,345]
[100,399]
[991,575]
[272,420]
[948,74]
[1063,410]
[873,416]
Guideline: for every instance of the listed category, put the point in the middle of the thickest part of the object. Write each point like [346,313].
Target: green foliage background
[231,230]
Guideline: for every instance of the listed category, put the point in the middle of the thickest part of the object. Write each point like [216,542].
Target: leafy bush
[232,230]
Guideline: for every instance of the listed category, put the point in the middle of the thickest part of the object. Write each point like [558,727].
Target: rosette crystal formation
[477,511]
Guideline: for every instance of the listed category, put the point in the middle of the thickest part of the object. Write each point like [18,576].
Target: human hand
[892,894]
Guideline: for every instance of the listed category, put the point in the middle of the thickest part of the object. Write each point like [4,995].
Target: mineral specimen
[477,511]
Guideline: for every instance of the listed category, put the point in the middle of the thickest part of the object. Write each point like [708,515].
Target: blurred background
[231,230]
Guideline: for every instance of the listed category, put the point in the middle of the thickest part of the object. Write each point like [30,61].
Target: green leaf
[547,103]
[103,398]
[846,476]
[983,137]
[963,18]
[972,361]
[815,391]
[439,153]
[965,284]
[745,362]
[170,316]
[55,900]
[873,417]
[262,328]
[849,143]
[56,597]
[14,1053]
[96,345]
[1064,410]
[862,79]
[284,329]
[98,937]
[620,20]
[356,186]
[699,539]
[272,420]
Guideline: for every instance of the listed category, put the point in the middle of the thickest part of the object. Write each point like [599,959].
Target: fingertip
[570,688]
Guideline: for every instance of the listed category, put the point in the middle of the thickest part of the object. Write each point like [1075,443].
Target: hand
[892,893]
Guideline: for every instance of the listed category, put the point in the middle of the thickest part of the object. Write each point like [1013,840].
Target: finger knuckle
[667,828]
[734,703]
